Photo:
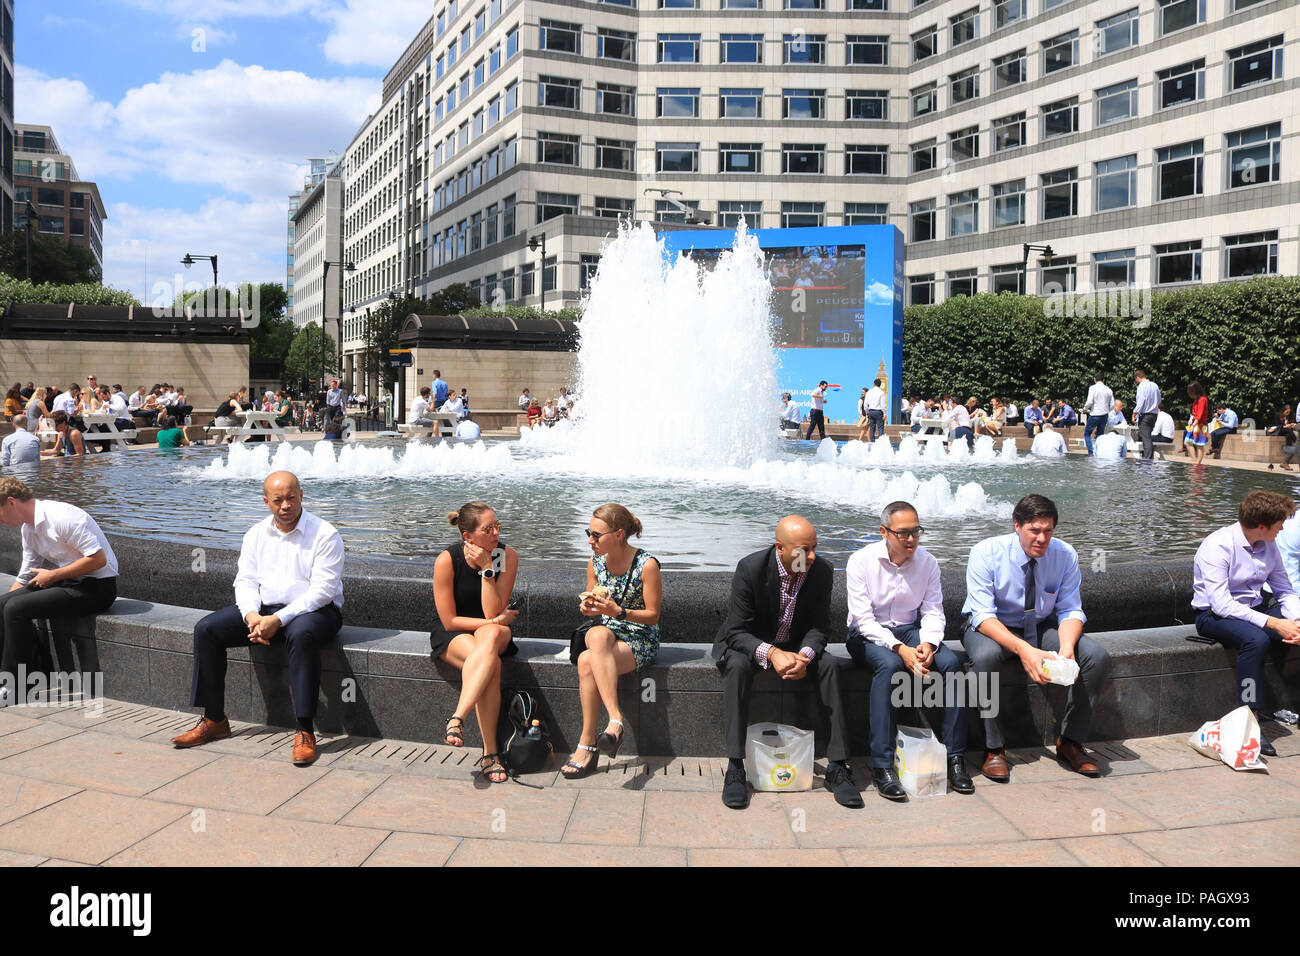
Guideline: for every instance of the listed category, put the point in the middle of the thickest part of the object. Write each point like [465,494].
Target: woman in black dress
[472,581]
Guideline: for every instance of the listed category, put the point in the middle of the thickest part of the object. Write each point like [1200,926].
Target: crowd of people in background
[548,413]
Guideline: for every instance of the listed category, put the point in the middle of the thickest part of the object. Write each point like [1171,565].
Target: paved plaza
[109,789]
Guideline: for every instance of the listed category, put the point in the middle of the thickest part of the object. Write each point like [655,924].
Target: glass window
[666,211]
[1009,70]
[1116,103]
[615,44]
[466,38]
[730,212]
[924,100]
[676,4]
[679,48]
[1117,267]
[476,232]
[1009,204]
[1178,262]
[1116,183]
[480,72]
[801,48]
[742,48]
[1254,156]
[866,104]
[609,207]
[964,144]
[1061,118]
[962,282]
[742,4]
[1178,15]
[1116,33]
[920,289]
[560,37]
[550,205]
[796,215]
[1008,278]
[558,92]
[587,267]
[1255,63]
[494,59]
[49,197]
[494,111]
[1060,191]
[923,156]
[1181,84]
[803,104]
[512,98]
[557,148]
[1061,52]
[804,4]
[677,157]
[740,158]
[863,5]
[925,44]
[527,280]
[1254,254]
[1057,277]
[615,154]
[920,216]
[1009,132]
[965,85]
[1179,171]
[866,161]
[1009,11]
[677,102]
[803,158]
[866,213]
[491,223]
[618,100]
[866,50]
[507,224]
[964,27]
[963,213]
[512,42]
[741,104]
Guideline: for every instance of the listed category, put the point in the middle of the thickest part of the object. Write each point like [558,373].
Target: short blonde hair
[15,488]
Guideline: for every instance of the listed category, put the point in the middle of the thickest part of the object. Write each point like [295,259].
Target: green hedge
[571,314]
[83,293]
[1240,339]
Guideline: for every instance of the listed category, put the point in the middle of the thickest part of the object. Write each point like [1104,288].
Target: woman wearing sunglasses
[472,581]
[626,636]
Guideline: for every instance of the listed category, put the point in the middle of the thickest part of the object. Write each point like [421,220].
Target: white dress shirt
[875,400]
[418,409]
[1100,399]
[118,404]
[1012,411]
[136,401]
[882,593]
[1164,426]
[1048,445]
[454,406]
[303,570]
[792,412]
[61,534]
[958,417]
[1148,397]
[65,403]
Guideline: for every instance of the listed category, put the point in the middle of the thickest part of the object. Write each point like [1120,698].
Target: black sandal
[454,737]
[582,769]
[607,742]
[489,765]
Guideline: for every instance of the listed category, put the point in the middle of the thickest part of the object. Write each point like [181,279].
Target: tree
[451,300]
[269,332]
[383,331]
[53,260]
[303,360]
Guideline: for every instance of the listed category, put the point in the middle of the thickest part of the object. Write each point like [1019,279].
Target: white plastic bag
[778,757]
[1234,739]
[921,762]
[1061,670]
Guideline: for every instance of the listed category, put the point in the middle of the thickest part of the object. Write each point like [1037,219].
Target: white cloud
[201,36]
[359,37]
[216,10]
[880,294]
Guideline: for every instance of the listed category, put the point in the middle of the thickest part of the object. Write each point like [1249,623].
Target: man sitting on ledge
[290,585]
[68,570]
[779,617]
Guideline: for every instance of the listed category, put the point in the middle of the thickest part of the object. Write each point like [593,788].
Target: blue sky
[196,119]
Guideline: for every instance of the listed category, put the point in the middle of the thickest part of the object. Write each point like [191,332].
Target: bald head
[796,543]
[283,496]
[284,480]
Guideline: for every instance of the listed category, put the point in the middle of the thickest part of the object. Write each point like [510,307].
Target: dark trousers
[1094,428]
[1030,427]
[1218,436]
[986,655]
[1251,644]
[1146,423]
[738,670]
[816,420]
[305,635]
[875,423]
[20,609]
[885,663]
[963,432]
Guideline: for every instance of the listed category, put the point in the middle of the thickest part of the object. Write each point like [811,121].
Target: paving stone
[329,798]
[19,796]
[10,721]
[413,849]
[240,783]
[1207,796]
[63,863]
[1045,811]
[1259,843]
[41,734]
[88,827]
[497,853]
[950,819]
[1107,851]
[607,817]
[700,820]
[1035,853]
[10,858]
[101,762]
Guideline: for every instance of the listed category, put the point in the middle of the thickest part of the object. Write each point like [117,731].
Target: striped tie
[1031,602]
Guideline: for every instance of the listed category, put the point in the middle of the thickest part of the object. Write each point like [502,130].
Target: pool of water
[389,501]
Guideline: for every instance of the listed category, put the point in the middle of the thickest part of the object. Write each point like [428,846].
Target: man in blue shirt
[439,389]
[1228,423]
[1064,417]
[1145,410]
[1033,418]
[1022,600]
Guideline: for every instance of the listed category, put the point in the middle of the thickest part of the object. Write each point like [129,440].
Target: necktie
[1031,601]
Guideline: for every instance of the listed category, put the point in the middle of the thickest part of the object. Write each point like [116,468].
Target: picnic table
[108,421]
[927,424]
[444,426]
[257,423]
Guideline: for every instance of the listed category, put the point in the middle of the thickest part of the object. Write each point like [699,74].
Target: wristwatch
[622,614]
[488,573]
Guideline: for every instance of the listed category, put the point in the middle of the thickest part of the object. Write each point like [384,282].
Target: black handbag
[578,639]
[528,747]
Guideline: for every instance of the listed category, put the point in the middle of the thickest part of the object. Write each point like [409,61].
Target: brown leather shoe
[1074,757]
[995,766]
[205,731]
[304,749]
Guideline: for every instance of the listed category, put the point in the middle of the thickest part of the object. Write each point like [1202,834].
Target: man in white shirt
[524,401]
[334,399]
[562,404]
[69,402]
[875,406]
[290,586]
[68,570]
[22,447]
[957,423]
[420,408]
[137,399]
[1163,433]
[1013,414]
[1048,444]
[816,416]
[895,626]
[791,414]
[1097,406]
[454,406]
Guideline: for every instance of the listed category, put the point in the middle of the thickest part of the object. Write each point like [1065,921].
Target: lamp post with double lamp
[324,288]
[533,243]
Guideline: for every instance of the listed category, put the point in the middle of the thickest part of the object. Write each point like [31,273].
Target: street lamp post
[324,287]
[533,243]
[189,260]
[31,215]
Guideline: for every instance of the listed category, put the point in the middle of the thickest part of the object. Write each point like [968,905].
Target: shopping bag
[1234,739]
[778,757]
[921,762]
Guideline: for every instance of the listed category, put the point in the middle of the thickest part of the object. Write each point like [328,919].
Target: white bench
[444,426]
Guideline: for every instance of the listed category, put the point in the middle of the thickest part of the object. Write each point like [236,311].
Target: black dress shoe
[839,781]
[887,783]
[957,775]
[735,790]
[1266,749]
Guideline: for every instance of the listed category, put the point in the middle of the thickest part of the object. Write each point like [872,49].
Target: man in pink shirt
[1232,566]
[895,626]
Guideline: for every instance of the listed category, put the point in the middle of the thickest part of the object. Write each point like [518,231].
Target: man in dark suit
[778,617]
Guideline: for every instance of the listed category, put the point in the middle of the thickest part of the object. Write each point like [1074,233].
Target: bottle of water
[535,731]
[189,419]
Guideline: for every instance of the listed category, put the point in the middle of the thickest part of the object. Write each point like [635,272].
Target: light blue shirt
[1229,418]
[1115,418]
[20,448]
[1033,415]
[1288,542]
[1148,397]
[1229,574]
[995,582]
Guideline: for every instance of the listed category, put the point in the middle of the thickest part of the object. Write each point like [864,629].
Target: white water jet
[1009,452]
[984,450]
